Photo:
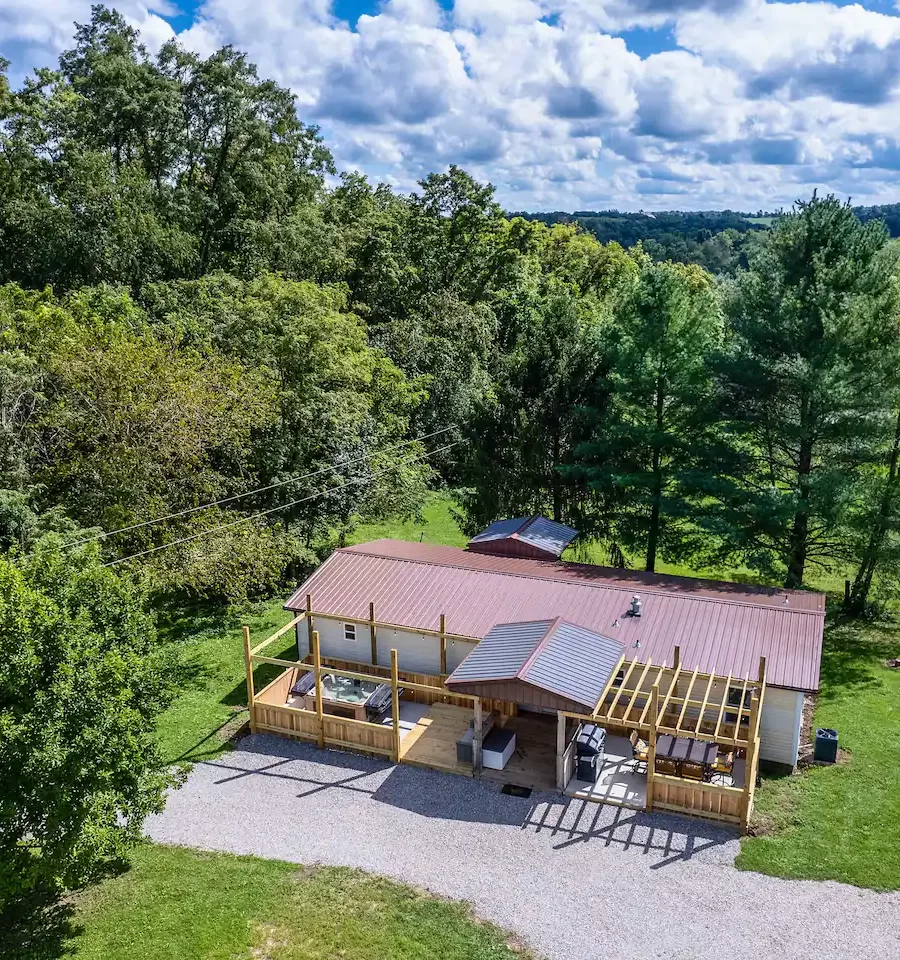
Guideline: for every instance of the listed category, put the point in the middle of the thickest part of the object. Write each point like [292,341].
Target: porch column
[477,737]
[248,664]
[651,749]
[560,750]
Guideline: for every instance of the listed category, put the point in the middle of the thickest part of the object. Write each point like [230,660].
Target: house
[539,647]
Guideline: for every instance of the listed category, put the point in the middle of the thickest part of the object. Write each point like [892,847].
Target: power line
[284,506]
[249,493]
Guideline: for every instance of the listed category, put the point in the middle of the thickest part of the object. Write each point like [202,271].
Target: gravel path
[578,881]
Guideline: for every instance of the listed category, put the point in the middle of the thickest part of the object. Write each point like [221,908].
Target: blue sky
[562,104]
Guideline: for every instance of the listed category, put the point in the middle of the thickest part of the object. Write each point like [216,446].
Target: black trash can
[826,745]
[590,743]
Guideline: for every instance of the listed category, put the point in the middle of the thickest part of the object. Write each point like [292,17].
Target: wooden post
[317,672]
[395,704]
[309,621]
[750,763]
[443,645]
[651,749]
[560,750]
[476,737]
[373,632]
[676,662]
[762,671]
[248,665]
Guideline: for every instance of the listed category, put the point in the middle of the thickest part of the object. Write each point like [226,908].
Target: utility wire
[249,493]
[284,506]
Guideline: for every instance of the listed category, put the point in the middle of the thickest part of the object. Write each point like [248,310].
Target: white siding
[779,725]
[416,652]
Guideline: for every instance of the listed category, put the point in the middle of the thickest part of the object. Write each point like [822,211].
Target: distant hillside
[716,239]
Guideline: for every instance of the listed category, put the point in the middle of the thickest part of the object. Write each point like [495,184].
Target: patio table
[681,750]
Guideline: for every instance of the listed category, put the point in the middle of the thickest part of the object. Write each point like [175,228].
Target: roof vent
[636,606]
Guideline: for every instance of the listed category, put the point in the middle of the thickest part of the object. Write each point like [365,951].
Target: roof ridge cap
[539,646]
[534,576]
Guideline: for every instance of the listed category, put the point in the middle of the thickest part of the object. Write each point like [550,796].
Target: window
[734,700]
[350,632]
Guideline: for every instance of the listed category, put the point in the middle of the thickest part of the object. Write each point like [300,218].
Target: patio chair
[639,752]
[739,772]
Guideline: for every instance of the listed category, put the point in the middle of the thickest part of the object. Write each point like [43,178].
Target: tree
[644,445]
[804,386]
[81,685]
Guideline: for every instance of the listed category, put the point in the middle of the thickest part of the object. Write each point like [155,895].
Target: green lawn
[177,904]
[842,822]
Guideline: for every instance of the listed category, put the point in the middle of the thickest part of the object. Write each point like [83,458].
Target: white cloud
[762,101]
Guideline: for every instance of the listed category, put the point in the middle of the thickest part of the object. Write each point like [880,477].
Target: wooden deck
[432,743]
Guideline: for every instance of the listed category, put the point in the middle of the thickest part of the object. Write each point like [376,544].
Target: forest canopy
[204,321]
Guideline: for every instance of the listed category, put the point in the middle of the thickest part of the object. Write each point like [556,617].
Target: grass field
[176,904]
[840,823]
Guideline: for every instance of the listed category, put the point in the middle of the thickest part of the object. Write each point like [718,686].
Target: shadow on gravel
[667,839]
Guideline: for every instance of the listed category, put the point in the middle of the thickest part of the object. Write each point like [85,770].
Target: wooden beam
[722,706]
[395,704]
[309,622]
[637,690]
[676,659]
[476,736]
[560,749]
[443,639]
[705,702]
[651,749]
[646,709]
[248,666]
[609,683]
[687,697]
[317,668]
[279,633]
[256,658]
[424,631]
[373,634]
[750,765]
[762,670]
[673,689]
[621,690]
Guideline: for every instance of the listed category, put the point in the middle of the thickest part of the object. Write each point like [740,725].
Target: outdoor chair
[379,702]
[639,752]
[739,772]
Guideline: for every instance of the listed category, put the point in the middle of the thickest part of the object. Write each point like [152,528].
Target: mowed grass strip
[178,904]
[842,822]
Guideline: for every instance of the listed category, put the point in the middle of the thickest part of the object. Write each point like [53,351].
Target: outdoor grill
[590,742]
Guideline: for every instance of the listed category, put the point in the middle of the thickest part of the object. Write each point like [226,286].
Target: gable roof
[546,538]
[557,656]
[722,628]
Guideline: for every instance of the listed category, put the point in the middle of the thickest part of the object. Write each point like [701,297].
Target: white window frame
[350,635]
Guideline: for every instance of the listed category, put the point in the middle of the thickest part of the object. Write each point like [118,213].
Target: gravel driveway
[578,881]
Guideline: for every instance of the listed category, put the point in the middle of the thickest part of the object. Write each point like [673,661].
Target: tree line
[191,312]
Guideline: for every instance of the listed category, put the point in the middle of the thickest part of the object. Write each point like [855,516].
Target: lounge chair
[379,702]
[303,686]
[739,772]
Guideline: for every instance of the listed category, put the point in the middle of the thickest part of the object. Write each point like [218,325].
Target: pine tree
[644,445]
[803,387]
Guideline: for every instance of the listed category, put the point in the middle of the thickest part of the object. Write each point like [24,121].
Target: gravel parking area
[578,881]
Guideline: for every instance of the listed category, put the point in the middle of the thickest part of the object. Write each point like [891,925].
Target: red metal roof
[721,628]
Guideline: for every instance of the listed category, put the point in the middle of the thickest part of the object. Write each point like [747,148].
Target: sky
[561,104]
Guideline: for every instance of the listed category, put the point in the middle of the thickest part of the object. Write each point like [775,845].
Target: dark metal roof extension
[554,655]
[546,537]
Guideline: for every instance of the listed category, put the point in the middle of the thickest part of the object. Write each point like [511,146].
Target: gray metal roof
[503,652]
[555,655]
[540,532]
[575,662]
